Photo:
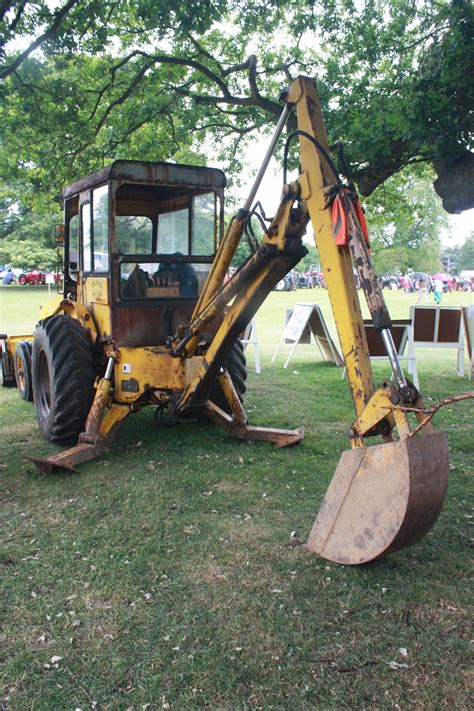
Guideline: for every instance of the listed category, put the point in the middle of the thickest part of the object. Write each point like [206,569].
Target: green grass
[163,574]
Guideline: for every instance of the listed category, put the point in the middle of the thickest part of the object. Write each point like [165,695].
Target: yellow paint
[279,224]
[336,261]
[113,417]
[151,368]
[102,318]
[378,408]
[50,307]
[13,341]
[240,304]
[79,312]
[95,291]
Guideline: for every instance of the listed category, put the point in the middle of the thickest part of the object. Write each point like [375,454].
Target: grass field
[163,577]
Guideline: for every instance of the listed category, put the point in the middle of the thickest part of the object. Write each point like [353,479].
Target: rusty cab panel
[140,239]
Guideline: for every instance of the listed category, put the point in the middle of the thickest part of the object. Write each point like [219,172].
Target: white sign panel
[305,320]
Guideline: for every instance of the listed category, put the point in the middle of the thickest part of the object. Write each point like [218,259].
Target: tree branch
[223,125]
[123,97]
[46,35]
[112,71]
[17,17]
[204,51]
[431,411]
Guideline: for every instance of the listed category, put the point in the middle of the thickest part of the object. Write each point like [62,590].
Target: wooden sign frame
[439,327]
[402,333]
[306,320]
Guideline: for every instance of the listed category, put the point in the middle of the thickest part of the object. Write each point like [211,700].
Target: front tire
[22,364]
[63,378]
[236,365]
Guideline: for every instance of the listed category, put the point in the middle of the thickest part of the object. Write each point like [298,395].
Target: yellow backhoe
[147,317]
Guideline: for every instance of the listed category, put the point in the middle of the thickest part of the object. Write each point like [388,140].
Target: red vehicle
[36,276]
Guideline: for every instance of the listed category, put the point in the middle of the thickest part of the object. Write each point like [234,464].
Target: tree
[311,258]
[466,254]
[26,232]
[406,220]
[183,82]
[450,259]
[27,254]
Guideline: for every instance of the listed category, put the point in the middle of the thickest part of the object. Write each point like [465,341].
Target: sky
[461,227]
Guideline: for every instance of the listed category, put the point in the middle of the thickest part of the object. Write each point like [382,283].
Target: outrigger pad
[381,499]
[69,458]
[49,466]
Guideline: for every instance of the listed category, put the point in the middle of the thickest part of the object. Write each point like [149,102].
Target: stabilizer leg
[90,446]
[236,423]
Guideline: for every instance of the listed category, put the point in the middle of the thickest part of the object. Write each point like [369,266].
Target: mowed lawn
[166,576]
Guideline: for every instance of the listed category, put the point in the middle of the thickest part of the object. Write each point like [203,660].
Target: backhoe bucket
[381,499]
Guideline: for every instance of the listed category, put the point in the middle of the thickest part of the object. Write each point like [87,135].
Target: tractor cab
[140,239]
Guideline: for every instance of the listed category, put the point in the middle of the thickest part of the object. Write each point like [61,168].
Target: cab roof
[159,173]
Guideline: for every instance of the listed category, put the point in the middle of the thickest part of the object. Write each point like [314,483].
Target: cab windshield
[166,241]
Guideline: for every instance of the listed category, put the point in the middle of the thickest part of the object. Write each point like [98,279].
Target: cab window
[167,239]
[73,247]
[133,234]
[203,237]
[100,228]
[173,232]
[86,237]
[170,279]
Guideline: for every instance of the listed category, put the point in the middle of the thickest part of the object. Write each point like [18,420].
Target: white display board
[250,339]
[468,318]
[306,320]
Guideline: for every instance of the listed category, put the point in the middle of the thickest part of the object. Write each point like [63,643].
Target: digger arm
[316,179]
[279,251]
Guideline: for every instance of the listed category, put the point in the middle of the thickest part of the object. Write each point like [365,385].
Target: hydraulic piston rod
[268,155]
[393,358]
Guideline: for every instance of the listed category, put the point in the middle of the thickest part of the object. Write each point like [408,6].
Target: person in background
[422,289]
[438,291]
[9,277]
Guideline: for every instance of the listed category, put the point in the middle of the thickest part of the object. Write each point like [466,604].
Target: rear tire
[63,378]
[22,363]
[22,279]
[7,376]
[236,365]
